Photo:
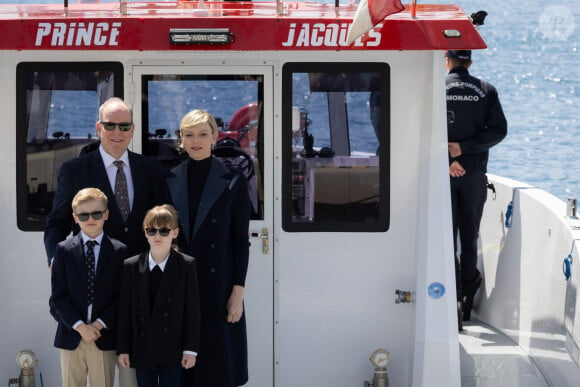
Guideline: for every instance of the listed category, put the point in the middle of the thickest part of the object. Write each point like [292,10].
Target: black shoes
[459,317]
[468,298]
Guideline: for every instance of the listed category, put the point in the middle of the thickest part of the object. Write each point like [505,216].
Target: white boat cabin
[345,147]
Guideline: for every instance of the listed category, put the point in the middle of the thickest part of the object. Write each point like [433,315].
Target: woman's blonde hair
[198,117]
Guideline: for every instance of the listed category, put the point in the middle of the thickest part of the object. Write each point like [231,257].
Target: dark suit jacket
[159,333]
[89,171]
[218,240]
[69,290]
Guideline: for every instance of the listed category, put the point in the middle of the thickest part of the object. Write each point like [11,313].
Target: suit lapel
[215,184]
[98,174]
[142,284]
[178,189]
[78,252]
[138,177]
[105,253]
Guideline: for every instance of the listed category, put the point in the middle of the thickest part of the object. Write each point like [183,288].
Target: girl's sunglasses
[162,231]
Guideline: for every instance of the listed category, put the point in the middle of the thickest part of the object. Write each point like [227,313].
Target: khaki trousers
[87,360]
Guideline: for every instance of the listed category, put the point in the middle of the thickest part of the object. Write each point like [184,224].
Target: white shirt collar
[161,265]
[108,159]
[86,238]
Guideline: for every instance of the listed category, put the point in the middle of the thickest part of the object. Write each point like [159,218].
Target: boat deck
[490,358]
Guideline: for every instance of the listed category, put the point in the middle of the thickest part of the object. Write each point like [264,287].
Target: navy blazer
[159,333]
[88,170]
[69,290]
[218,239]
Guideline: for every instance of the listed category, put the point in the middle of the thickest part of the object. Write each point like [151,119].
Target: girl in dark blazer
[158,329]
[215,209]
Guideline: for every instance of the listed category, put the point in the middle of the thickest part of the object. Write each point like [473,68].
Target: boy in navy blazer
[85,281]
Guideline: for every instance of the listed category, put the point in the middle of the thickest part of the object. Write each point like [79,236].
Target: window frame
[23,69]
[383,69]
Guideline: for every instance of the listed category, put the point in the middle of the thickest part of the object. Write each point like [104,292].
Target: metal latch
[264,235]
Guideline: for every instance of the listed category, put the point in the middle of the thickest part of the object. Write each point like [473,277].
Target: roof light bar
[200,36]
[452,33]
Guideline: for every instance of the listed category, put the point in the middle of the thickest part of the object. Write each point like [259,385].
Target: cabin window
[57,105]
[335,138]
[236,103]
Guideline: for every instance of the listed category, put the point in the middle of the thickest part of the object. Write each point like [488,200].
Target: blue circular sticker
[436,290]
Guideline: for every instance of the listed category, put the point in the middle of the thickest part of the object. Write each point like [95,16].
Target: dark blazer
[159,333]
[89,171]
[219,241]
[69,290]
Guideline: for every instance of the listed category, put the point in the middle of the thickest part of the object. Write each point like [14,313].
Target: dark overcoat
[158,334]
[219,242]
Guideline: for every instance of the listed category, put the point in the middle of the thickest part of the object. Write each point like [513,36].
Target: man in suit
[142,187]
[85,292]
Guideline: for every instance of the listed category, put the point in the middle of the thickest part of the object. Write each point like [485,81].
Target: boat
[351,242]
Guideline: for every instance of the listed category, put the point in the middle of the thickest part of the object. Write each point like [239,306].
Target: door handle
[264,236]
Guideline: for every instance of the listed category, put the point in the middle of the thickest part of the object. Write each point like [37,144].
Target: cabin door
[240,98]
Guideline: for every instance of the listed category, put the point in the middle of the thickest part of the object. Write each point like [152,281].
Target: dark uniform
[475,121]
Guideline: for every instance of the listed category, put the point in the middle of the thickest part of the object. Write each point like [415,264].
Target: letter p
[42,31]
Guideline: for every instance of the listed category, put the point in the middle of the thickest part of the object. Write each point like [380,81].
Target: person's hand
[188,361]
[97,325]
[124,360]
[454,149]
[88,332]
[235,304]
[456,170]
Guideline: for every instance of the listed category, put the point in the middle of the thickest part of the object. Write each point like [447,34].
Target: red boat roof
[253,26]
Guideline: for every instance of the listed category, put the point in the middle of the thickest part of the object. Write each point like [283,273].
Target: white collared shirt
[112,172]
[161,265]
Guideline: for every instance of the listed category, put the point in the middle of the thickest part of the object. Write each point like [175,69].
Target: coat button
[212,245]
[214,220]
[126,229]
[212,270]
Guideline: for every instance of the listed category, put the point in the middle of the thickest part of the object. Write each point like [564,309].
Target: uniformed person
[476,122]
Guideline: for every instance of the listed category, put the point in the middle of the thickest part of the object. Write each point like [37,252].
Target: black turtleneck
[197,171]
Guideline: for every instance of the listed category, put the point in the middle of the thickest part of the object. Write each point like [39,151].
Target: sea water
[533,60]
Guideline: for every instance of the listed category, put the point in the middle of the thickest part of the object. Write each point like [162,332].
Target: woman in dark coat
[214,208]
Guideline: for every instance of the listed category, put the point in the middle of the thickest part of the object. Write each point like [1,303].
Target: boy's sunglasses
[123,126]
[162,231]
[96,215]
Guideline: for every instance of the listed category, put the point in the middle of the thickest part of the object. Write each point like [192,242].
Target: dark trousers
[162,376]
[468,195]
